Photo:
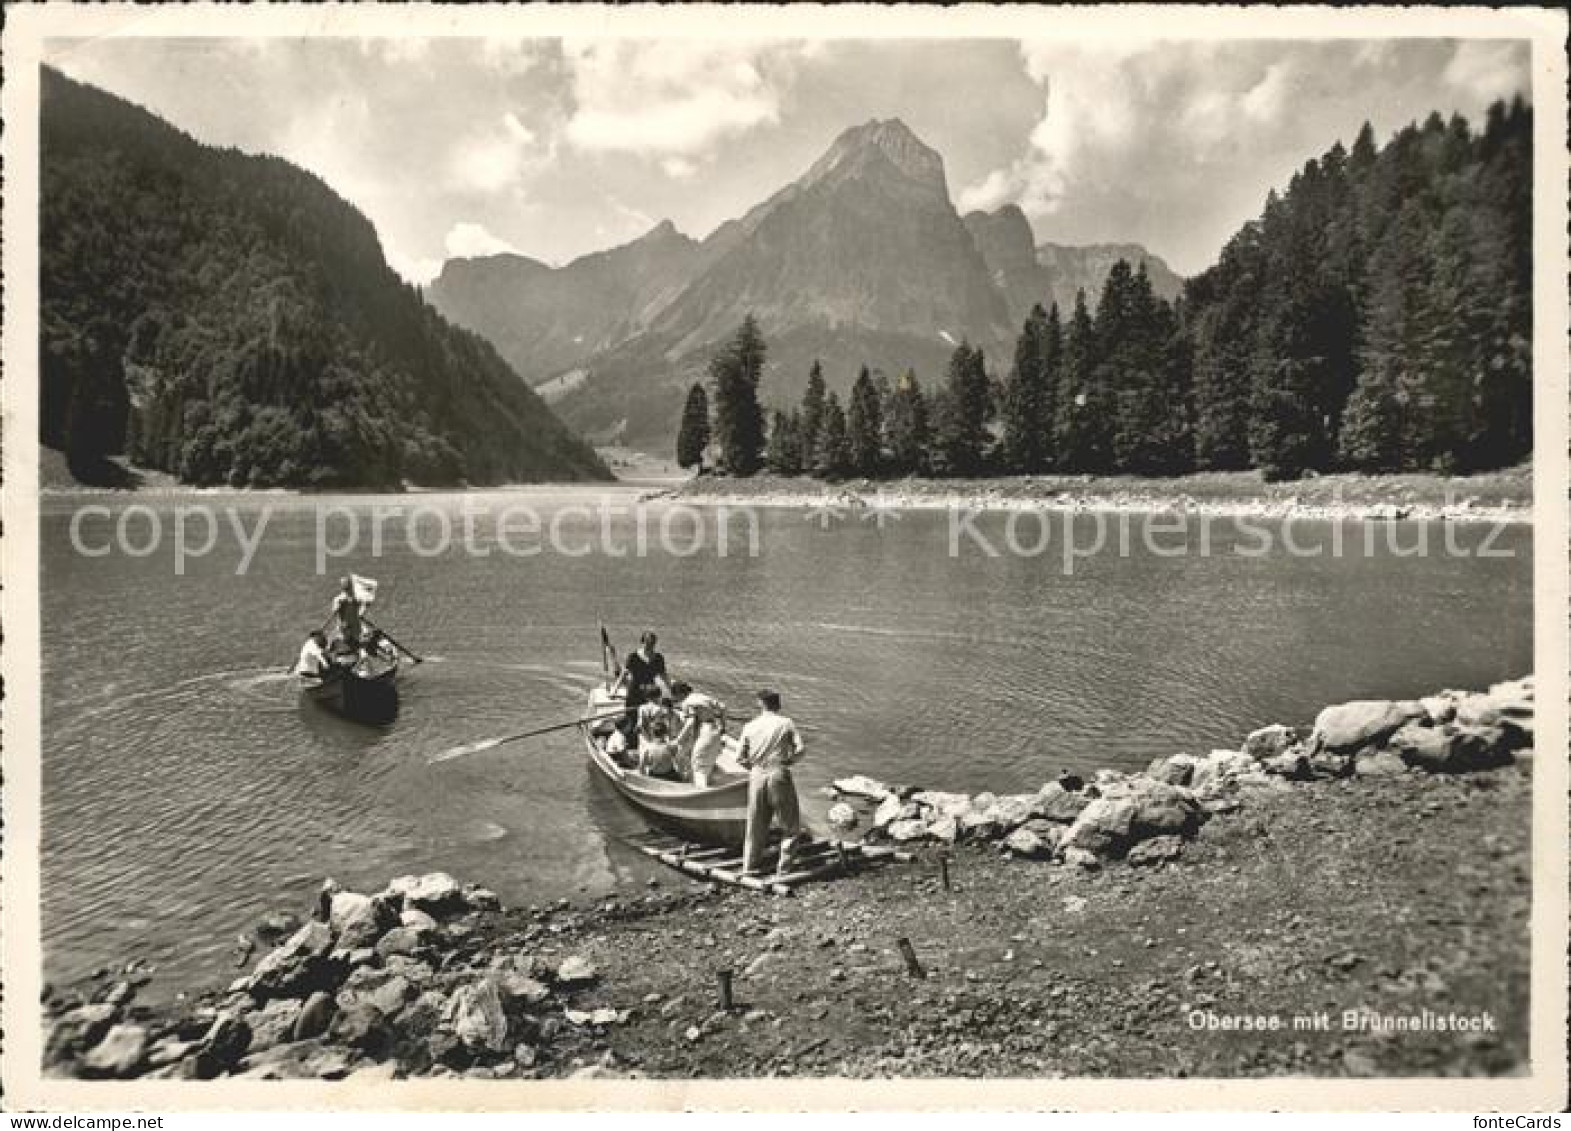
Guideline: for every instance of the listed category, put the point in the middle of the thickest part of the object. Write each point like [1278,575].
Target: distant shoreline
[1503,496]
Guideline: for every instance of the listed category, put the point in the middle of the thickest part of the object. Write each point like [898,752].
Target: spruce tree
[833,458]
[783,456]
[864,426]
[1082,432]
[1026,410]
[962,426]
[812,416]
[693,435]
[739,420]
[906,427]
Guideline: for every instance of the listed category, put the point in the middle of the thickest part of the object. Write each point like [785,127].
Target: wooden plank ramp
[814,859]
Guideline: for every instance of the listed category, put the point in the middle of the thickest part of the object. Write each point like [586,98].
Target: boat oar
[493,743]
[392,641]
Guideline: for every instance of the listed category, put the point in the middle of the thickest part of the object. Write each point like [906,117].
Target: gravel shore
[1505,496]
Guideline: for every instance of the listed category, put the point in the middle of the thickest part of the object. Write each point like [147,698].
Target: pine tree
[906,427]
[693,435]
[833,460]
[812,415]
[1027,408]
[739,420]
[783,456]
[864,426]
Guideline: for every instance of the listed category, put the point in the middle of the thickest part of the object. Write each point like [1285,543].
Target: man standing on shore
[769,746]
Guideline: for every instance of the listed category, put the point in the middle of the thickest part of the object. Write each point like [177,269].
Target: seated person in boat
[378,647]
[699,742]
[313,663]
[770,746]
[656,747]
[643,679]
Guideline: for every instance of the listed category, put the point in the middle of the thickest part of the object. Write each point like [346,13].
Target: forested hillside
[229,319]
[1378,315]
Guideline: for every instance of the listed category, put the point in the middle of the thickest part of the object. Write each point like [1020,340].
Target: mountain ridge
[862,259]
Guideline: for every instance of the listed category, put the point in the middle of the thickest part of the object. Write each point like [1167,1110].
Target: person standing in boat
[699,742]
[643,679]
[347,615]
[770,745]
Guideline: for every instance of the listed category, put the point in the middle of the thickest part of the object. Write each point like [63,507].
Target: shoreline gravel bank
[1495,497]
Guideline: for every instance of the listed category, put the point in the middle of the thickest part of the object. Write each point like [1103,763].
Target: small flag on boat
[364,588]
[608,660]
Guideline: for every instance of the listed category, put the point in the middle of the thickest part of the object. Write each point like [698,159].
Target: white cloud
[678,168]
[497,160]
[414,269]
[1265,101]
[673,98]
[468,240]
[1488,69]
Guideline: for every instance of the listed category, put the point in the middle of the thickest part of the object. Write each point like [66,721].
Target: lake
[187,790]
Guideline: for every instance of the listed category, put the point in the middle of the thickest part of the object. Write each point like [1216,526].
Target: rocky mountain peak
[888,143]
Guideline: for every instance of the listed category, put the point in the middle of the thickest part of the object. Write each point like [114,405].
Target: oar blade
[466,749]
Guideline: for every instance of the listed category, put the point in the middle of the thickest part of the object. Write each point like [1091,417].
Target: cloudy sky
[554,147]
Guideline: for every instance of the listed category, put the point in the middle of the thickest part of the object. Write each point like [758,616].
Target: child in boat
[656,748]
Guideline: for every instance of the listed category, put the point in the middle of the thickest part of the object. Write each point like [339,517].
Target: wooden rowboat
[716,814]
[363,692]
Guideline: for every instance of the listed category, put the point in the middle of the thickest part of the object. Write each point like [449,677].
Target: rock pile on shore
[1146,817]
[372,985]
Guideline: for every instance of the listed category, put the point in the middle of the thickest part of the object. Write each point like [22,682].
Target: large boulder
[344,906]
[1453,749]
[477,1018]
[226,1041]
[405,941]
[1349,727]
[1056,803]
[945,804]
[1178,769]
[1028,844]
[944,828]
[907,829]
[314,1018]
[1013,810]
[977,825]
[299,966]
[119,1055]
[365,922]
[1269,742]
[1105,827]
[274,1023]
[436,893]
[892,809]
[1133,811]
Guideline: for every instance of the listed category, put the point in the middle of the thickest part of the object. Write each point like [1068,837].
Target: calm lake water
[187,791]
